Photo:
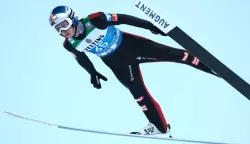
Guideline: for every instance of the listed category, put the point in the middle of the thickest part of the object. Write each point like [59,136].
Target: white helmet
[62,17]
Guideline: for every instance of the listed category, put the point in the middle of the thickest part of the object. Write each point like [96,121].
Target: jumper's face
[65,28]
[69,33]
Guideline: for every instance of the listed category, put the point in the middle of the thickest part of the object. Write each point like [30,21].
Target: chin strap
[75,29]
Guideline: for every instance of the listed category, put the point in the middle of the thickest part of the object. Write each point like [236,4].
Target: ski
[178,35]
[156,137]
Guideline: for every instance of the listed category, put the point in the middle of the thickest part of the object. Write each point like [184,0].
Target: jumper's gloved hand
[95,79]
[156,31]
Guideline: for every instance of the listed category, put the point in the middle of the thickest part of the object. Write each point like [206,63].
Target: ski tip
[6,113]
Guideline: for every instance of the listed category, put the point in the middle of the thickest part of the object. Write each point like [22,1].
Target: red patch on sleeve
[94,15]
[114,17]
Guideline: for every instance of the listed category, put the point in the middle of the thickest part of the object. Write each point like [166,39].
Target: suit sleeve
[103,20]
[81,58]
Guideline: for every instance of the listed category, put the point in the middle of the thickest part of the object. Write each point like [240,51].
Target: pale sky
[41,80]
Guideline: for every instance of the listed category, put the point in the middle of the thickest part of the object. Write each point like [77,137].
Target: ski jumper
[123,52]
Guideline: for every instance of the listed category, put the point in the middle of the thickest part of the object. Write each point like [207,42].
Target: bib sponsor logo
[94,43]
[88,25]
[88,40]
[71,40]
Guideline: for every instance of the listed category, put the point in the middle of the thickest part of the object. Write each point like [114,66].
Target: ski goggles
[63,24]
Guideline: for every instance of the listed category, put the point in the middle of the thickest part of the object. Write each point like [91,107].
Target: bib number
[101,46]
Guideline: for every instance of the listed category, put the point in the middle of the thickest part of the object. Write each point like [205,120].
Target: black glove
[95,79]
[156,31]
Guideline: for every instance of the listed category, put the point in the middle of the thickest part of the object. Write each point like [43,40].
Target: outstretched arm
[85,62]
[81,58]
[102,20]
